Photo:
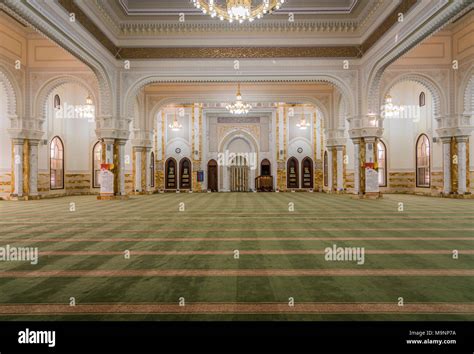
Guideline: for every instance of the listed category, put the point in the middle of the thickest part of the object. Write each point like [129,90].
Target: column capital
[462,139]
[18,141]
[446,139]
[454,125]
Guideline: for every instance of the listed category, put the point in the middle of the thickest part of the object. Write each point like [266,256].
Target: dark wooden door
[212,176]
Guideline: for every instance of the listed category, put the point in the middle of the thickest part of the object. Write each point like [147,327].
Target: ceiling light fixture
[237,10]
[175,126]
[238,107]
[89,100]
[303,124]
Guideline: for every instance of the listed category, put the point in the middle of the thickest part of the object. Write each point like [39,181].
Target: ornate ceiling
[150,29]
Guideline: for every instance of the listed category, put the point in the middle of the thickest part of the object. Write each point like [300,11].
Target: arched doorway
[186,175]
[212,176]
[265,168]
[171,174]
[307,173]
[292,173]
[239,174]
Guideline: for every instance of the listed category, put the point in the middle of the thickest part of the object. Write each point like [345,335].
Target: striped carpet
[238,256]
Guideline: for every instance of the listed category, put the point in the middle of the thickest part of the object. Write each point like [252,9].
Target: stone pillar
[33,163]
[18,167]
[356,165]
[330,167]
[446,165]
[121,166]
[462,171]
[371,175]
[148,175]
[109,150]
[138,169]
[340,168]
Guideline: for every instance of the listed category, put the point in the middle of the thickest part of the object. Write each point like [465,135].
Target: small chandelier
[238,107]
[237,10]
[389,109]
[175,126]
[303,124]
[89,100]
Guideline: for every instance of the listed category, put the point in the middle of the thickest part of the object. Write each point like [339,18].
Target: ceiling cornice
[237,52]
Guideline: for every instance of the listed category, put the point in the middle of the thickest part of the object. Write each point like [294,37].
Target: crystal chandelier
[303,124]
[237,10]
[175,126]
[238,107]
[389,109]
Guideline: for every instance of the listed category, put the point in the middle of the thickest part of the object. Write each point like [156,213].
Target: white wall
[77,134]
[401,133]
[5,142]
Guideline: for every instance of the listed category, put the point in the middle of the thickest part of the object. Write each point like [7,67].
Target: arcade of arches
[57,130]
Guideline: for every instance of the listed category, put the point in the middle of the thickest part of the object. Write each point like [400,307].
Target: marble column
[340,167]
[121,166]
[330,186]
[109,150]
[446,165]
[462,181]
[33,164]
[148,174]
[138,168]
[371,175]
[356,165]
[18,167]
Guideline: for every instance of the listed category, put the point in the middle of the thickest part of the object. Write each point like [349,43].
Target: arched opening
[382,163]
[56,165]
[292,173]
[57,102]
[423,154]
[186,175]
[171,175]
[265,168]
[212,176]
[422,99]
[307,173]
[96,161]
[239,174]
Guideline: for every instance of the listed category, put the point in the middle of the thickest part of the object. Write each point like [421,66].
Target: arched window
[96,162]
[265,168]
[422,99]
[325,167]
[382,163]
[56,163]
[307,173]
[292,173]
[57,102]
[423,161]
[186,176]
[152,169]
[171,174]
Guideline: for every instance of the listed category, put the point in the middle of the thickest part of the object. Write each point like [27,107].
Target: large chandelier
[175,125]
[389,109]
[303,124]
[238,107]
[237,10]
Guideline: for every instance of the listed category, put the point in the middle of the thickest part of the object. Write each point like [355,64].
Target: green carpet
[422,237]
